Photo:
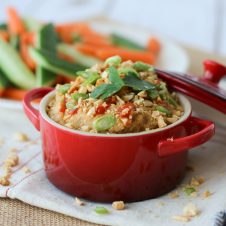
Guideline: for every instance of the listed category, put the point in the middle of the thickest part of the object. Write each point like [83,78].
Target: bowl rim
[45,100]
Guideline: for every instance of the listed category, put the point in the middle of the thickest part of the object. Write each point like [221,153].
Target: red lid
[204,89]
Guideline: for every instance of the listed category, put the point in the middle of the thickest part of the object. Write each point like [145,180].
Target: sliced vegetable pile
[115,97]
[34,54]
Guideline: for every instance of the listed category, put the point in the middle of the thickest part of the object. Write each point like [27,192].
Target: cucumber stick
[4,82]
[68,50]
[121,41]
[14,68]
[50,61]
[32,24]
[15,41]
[46,39]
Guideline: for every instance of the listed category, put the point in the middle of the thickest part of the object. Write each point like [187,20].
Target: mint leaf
[134,82]
[114,77]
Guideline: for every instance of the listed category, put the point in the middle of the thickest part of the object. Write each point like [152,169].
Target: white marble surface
[34,188]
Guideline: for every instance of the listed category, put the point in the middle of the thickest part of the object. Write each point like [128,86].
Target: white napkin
[209,161]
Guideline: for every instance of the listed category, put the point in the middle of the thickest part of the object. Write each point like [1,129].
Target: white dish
[172,56]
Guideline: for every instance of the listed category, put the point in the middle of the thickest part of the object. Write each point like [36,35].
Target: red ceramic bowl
[103,167]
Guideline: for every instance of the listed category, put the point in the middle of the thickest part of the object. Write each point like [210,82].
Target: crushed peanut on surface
[191,210]
[118,205]
[11,161]
[197,181]
[207,194]
[181,218]
[26,169]
[174,195]
[79,202]
[21,137]
[4,181]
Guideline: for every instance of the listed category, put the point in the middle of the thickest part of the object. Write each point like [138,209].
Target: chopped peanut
[118,205]
[161,122]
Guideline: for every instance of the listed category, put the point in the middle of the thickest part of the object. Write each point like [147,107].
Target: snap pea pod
[14,68]
[101,210]
[76,96]
[64,88]
[104,123]
[121,41]
[46,39]
[92,78]
[86,61]
[113,61]
[140,66]
[53,63]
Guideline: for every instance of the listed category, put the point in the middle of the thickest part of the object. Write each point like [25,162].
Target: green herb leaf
[189,190]
[101,210]
[114,77]
[153,94]
[111,89]
[126,70]
[170,100]
[134,82]
[99,91]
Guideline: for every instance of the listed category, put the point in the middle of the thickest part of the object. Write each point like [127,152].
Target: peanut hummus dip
[115,97]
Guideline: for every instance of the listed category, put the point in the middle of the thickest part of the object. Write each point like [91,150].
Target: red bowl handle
[172,146]
[213,71]
[31,112]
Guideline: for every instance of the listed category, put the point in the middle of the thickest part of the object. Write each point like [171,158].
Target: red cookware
[129,167]
[103,167]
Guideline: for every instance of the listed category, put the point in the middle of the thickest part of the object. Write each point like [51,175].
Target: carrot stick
[86,49]
[15,24]
[66,32]
[154,46]
[15,94]
[4,35]
[133,55]
[97,41]
[1,91]
[26,40]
